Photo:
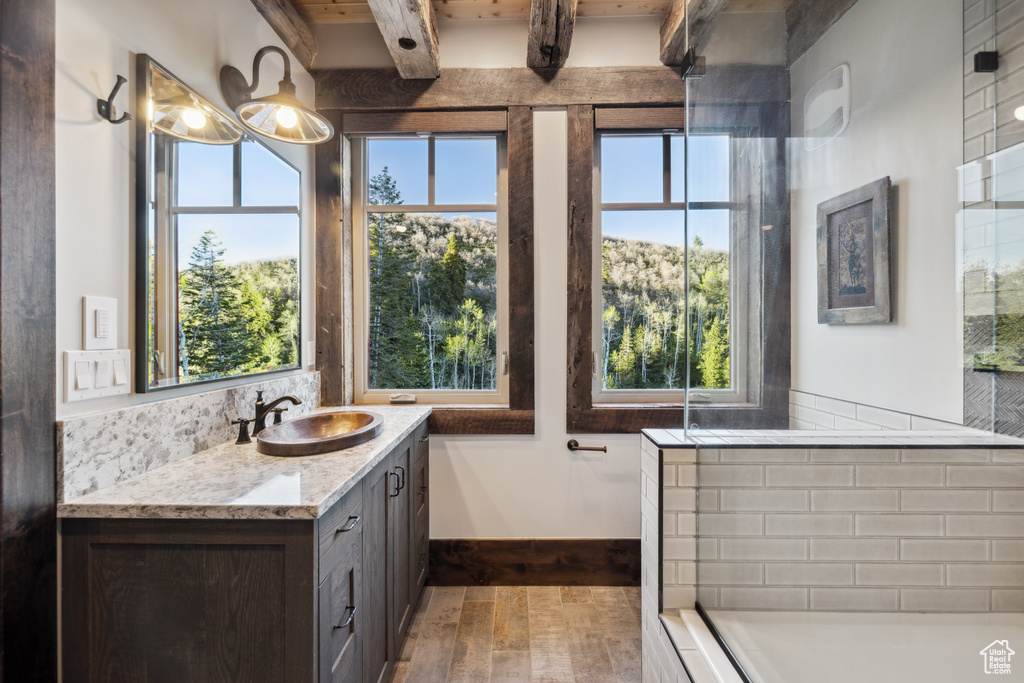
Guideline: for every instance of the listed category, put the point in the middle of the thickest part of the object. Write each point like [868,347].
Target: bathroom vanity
[230,565]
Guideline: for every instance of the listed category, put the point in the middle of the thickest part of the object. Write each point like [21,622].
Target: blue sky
[205,179]
[464,168]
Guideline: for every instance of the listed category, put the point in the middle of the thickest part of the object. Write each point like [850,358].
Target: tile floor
[544,634]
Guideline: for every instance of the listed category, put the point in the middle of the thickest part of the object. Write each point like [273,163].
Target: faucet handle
[277,415]
[259,394]
[243,430]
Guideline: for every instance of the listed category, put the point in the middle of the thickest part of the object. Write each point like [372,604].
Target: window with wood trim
[670,289]
[641,292]
[431,284]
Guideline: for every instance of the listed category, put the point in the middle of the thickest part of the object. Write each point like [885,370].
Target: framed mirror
[217,242]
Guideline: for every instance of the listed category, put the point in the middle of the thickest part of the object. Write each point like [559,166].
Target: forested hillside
[235,319]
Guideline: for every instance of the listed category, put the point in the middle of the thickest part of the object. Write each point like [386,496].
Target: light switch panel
[99,323]
[96,374]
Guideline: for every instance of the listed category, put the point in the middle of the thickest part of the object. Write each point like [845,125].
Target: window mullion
[666,160]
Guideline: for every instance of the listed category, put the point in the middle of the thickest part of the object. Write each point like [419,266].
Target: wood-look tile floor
[536,634]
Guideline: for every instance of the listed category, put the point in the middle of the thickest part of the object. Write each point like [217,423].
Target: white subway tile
[942,550]
[678,597]
[917,422]
[1008,455]
[686,524]
[859,549]
[708,455]
[983,575]
[680,455]
[815,417]
[836,407]
[848,423]
[808,475]
[730,573]
[899,476]
[1007,551]
[763,598]
[668,476]
[763,455]
[744,500]
[917,455]
[994,476]
[855,599]
[686,573]
[679,549]
[707,500]
[801,398]
[763,549]
[943,600]
[708,596]
[944,500]
[796,423]
[899,525]
[719,524]
[668,524]
[1008,501]
[884,418]
[1007,600]
[808,574]
[855,501]
[708,549]
[985,526]
[729,475]
[668,573]
[686,475]
[899,574]
[855,455]
[679,500]
[808,525]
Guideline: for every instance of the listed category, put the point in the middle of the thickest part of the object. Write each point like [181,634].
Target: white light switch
[99,323]
[83,375]
[102,374]
[95,374]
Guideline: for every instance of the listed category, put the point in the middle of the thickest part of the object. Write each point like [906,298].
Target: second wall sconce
[280,117]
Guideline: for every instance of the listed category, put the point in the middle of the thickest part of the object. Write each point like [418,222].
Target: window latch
[504,362]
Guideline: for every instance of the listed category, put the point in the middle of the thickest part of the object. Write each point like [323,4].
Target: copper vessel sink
[319,433]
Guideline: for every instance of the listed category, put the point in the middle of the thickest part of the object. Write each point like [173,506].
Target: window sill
[479,419]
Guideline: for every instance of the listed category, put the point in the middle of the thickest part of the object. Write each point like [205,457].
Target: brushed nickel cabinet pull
[351,609]
[352,521]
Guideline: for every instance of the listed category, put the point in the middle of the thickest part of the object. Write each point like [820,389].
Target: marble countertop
[236,482]
[827,438]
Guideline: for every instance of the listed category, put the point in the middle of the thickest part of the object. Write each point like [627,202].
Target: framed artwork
[854,257]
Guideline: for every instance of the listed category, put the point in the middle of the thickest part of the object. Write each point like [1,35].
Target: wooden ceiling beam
[551,25]
[409,28]
[290,27]
[697,18]
[807,21]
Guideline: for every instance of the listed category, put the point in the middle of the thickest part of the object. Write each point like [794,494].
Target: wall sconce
[280,117]
[185,118]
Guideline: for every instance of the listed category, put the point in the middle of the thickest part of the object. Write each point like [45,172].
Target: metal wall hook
[106,107]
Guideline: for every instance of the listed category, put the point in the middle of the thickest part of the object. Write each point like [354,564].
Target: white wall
[528,486]
[96,40]
[906,75]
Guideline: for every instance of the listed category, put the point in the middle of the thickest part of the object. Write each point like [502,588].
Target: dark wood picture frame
[855,256]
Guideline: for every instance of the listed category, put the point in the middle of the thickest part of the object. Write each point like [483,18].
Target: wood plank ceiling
[358,11]
[409,27]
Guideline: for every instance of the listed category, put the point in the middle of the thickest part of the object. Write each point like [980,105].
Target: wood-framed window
[756,317]
[497,394]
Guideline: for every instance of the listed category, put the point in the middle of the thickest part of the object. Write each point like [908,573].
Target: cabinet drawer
[341,620]
[339,528]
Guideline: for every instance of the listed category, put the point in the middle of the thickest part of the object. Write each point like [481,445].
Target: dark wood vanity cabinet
[327,600]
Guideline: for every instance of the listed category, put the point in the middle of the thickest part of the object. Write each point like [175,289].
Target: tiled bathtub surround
[96,451]
[813,411]
[865,529]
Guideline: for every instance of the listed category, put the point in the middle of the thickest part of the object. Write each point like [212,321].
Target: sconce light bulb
[193,118]
[1018,113]
[286,117]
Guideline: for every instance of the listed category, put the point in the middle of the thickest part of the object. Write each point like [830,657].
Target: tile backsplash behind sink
[98,450]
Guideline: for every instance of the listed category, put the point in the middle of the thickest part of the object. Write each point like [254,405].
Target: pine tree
[212,334]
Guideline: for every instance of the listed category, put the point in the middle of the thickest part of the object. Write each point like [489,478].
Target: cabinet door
[378,652]
[341,623]
[420,512]
[400,543]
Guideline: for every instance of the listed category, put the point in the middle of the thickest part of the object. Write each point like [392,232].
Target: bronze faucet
[262,410]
